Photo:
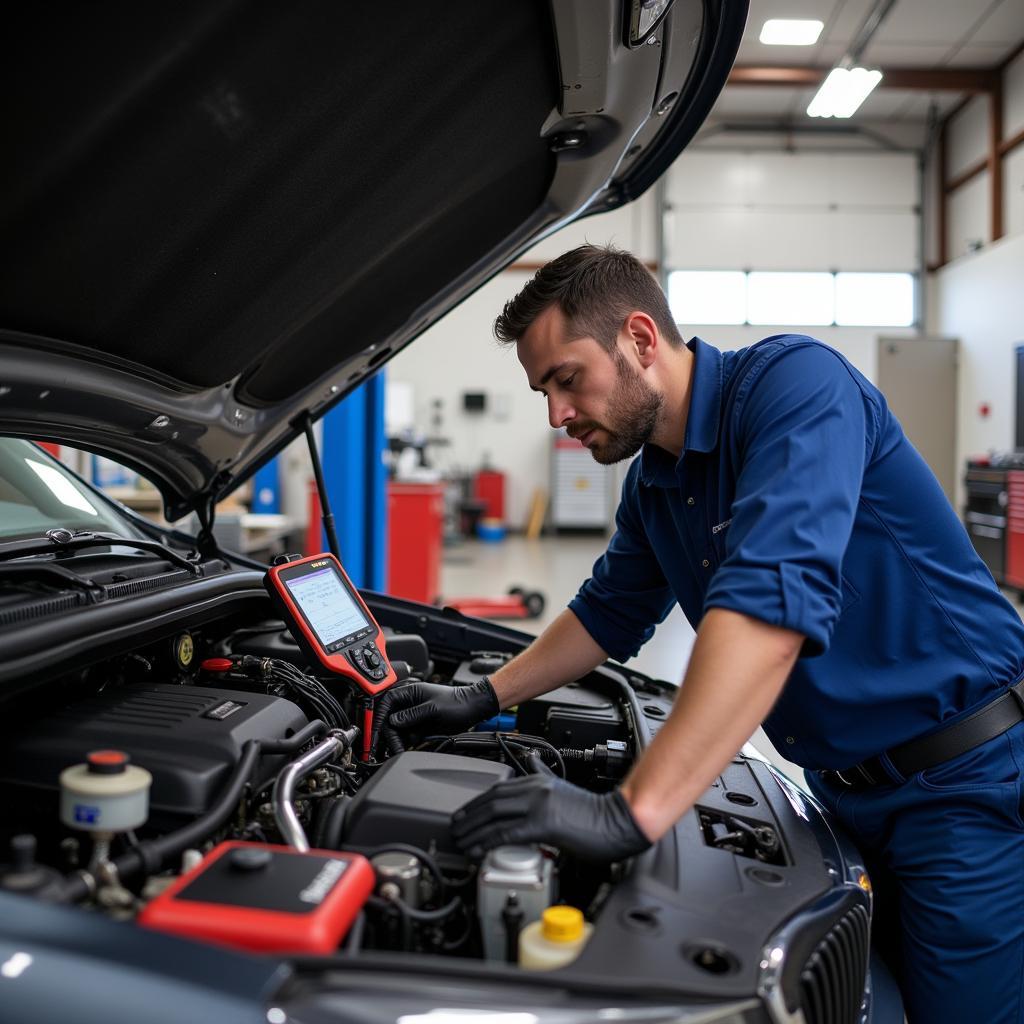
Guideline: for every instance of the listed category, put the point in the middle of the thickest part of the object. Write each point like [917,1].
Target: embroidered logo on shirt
[721,526]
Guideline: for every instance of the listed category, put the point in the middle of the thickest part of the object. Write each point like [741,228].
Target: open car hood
[219,218]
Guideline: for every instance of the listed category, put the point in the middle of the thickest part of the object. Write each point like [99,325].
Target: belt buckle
[857,777]
[1018,693]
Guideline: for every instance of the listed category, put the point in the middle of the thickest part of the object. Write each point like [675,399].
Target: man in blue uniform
[836,598]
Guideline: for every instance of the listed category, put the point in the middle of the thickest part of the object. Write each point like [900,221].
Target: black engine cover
[413,797]
[188,737]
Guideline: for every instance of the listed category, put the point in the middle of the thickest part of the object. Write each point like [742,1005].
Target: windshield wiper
[63,540]
[47,572]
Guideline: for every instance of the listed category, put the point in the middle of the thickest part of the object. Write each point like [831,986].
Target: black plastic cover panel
[413,797]
[188,737]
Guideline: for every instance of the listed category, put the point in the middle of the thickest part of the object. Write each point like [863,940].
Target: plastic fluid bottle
[553,941]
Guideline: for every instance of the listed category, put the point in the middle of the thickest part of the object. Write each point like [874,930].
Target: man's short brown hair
[596,287]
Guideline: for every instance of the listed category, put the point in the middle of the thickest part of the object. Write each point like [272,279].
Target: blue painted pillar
[351,451]
[266,488]
[376,494]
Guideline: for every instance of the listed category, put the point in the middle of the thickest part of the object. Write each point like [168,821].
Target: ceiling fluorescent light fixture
[790,32]
[843,92]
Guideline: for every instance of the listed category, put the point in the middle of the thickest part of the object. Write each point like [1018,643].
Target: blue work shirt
[799,501]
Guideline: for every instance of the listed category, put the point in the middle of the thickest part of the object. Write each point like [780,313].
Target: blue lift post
[351,451]
[266,488]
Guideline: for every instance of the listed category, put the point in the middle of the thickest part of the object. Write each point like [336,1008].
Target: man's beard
[633,412]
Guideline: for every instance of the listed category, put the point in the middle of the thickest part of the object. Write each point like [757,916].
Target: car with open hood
[218,219]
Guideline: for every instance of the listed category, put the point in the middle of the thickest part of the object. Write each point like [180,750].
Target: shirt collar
[657,467]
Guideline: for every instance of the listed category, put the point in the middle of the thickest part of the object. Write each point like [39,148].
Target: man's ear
[642,336]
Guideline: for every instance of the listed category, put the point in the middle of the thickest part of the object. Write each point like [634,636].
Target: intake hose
[152,855]
[285,815]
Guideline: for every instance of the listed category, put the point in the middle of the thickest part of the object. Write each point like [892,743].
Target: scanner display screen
[327,605]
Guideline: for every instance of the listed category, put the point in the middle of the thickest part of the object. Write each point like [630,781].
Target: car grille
[832,981]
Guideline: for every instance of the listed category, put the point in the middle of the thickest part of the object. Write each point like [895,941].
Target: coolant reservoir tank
[555,940]
[507,871]
[105,794]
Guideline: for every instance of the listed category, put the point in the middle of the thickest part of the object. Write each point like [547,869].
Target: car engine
[172,761]
[248,752]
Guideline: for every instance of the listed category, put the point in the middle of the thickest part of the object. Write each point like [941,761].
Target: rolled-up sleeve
[802,434]
[627,595]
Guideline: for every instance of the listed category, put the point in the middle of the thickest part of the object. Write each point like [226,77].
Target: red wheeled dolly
[519,604]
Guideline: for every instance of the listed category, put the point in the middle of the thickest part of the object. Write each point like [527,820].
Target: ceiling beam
[978,167]
[1012,56]
[942,229]
[1010,144]
[995,162]
[973,80]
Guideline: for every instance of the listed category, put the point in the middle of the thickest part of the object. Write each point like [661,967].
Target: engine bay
[268,829]
[187,709]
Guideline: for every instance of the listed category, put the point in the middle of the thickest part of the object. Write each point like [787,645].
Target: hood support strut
[318,472]
[206,511]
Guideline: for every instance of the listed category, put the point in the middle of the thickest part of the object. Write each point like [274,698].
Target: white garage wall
[1013,98]
[967,143]
[1013,163]
[967,137]
[968,224]
[1013,192]
[978,300]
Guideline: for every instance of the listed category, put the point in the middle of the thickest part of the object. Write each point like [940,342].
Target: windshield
[38,494]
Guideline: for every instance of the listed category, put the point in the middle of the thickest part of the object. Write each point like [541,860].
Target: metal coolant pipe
[336,742]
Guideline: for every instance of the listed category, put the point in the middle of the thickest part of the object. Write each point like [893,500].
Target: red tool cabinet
[489,487]
[415,526]
[1014,573]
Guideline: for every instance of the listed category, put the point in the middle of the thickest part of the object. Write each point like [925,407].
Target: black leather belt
[916,755]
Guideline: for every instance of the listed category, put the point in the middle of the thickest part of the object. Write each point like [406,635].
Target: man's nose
[559,412]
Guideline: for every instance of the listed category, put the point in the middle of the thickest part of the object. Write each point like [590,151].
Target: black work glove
[424,709]
[546,809]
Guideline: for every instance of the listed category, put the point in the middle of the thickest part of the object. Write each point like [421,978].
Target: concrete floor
[556,566]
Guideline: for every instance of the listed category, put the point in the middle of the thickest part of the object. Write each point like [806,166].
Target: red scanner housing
[316,598]
[265,899]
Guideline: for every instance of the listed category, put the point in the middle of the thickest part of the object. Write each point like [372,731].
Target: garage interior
[256,253]
[907,220]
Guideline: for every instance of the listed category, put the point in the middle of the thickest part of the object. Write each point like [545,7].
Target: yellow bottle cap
[562,924]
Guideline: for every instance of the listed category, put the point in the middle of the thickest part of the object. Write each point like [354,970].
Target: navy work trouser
[945,851]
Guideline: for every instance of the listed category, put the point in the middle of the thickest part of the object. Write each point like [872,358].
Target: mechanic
[837,600]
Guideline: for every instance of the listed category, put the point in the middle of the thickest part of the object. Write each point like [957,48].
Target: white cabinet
[581,489]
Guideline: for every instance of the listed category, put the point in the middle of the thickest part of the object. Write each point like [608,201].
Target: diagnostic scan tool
[329,620]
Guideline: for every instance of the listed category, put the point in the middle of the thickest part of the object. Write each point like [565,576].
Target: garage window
[708,296]
[792,299]
[775,298]
[883,300]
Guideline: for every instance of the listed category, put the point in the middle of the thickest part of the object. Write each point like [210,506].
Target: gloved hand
[424,709]
[546,809]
